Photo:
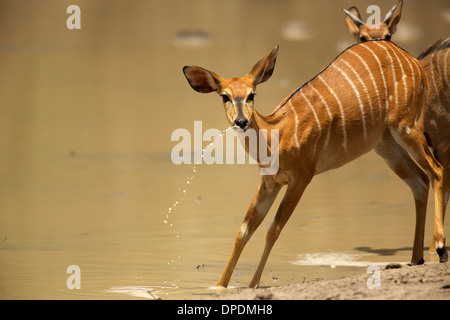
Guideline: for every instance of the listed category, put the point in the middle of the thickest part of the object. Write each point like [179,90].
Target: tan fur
[436,118]
[327,123]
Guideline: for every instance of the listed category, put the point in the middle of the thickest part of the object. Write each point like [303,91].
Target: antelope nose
[241,123]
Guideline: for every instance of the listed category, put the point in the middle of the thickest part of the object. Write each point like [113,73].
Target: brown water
[86,177]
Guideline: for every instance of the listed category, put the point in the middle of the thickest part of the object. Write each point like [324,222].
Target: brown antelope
[435,61]
[371,95]
[436,117]
[381,31]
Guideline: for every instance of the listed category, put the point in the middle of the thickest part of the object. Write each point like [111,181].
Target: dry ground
[429,281]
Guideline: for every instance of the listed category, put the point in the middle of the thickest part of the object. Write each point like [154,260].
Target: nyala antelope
[435,119]
[370,96]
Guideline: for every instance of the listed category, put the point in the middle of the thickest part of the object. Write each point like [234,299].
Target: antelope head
[380,31]
[237,94]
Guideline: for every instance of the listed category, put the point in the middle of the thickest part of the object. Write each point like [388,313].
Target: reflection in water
[85,126]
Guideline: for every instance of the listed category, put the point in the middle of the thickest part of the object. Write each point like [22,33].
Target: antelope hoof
[443,254]
[418,263]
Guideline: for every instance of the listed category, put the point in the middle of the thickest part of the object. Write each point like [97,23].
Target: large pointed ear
[393,17]
[202,80]
[263,69]
[353,20]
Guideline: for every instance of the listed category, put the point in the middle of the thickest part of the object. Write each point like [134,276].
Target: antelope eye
[250,97]
[225,98]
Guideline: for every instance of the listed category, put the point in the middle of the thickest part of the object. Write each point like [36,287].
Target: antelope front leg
[293,194]
[262,201]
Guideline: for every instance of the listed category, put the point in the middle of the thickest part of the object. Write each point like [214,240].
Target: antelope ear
[354,10]
[202,80]
[263,69]
[353,20]
[393,17]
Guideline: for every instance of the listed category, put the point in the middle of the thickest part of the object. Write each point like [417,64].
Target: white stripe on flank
[317,120]
[403,72]
[413,75]
[296,124]
[371,77]
[361,106]
[327,140]
[437,63]
[394,74]
[363,85]
[344,129]
[382,76]
[323,100]
[445,67]
[420,76]
[433,78]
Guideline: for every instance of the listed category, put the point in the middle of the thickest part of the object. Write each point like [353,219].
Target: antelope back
[368,88]
[436,62]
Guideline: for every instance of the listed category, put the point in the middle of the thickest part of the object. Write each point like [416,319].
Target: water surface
[85,172]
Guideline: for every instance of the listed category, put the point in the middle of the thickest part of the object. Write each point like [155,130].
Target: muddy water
[86,175]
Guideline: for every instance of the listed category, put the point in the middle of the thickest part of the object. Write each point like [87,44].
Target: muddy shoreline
[425,282]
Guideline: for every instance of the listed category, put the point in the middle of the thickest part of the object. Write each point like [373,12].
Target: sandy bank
[428,281]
